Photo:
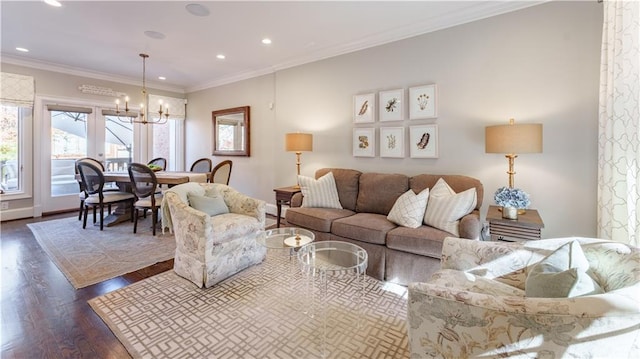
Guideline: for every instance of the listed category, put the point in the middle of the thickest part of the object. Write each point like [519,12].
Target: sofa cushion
[424,240]
[379,191]
[212,206]
[446,207]
[450,278]
[562,274]
[317,219]
[364,227]
[319,193]
[408,211]
[347,181]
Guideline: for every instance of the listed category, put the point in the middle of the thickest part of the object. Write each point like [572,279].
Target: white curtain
[619,124]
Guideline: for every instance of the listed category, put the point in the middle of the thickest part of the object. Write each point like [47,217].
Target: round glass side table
[336,261]
[281,264]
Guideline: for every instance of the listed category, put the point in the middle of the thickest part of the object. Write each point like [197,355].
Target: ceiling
[103,39]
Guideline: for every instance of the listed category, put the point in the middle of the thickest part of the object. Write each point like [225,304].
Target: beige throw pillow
[562,274]
[320,193]
[445,207]
[408,211]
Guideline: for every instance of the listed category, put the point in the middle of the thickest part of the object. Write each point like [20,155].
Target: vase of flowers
[512,201]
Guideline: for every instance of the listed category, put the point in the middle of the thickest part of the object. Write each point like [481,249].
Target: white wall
[537,65]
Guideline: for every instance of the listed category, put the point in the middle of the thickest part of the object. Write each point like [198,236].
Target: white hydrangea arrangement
[512,197]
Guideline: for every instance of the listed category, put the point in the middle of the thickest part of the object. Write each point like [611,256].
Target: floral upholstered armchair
[215,228]
[478,303]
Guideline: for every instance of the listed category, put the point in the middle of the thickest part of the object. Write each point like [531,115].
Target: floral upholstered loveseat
[211,248]
[475,306]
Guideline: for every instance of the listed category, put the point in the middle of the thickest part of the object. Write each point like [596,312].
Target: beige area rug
[89,256]
[264,311]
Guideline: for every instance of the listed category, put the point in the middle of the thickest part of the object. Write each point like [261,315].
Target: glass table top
[333,256]
[286,238]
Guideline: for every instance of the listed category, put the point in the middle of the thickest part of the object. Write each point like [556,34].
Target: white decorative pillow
[446,207]
[562,274]
[408,211]
[320,193]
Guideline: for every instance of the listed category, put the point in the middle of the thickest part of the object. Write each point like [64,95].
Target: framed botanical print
[423,102]
[364,142]
[392,142]
[423,141]
[364,108]
[391,105]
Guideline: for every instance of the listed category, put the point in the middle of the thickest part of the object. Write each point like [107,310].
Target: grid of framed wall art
[422,138]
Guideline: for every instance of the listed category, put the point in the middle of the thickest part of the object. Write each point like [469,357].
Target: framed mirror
[231,131]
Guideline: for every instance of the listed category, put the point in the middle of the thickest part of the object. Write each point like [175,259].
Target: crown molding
[479,11]
[46,66]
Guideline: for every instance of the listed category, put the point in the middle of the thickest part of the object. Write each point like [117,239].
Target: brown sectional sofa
[396,254]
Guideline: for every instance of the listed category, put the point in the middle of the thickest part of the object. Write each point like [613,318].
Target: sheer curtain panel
[619,124]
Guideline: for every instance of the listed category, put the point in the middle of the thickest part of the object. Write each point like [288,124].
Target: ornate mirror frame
[231,131]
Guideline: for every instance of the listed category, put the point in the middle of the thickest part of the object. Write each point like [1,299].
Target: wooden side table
[528,226]
[283,196]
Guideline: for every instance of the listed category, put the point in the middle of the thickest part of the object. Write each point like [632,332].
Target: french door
[74,131]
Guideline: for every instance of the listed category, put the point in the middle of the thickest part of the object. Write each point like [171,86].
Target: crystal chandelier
[132,116]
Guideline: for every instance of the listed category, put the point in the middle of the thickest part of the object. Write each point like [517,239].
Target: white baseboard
[18,213]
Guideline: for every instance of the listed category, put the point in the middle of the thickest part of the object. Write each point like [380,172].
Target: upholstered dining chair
[221,173]
[202,165]
[96,197]
[82,194]
[159,161]
[144,185]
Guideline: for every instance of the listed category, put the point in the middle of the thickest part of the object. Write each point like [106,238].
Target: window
[12,154]
[167,143]
[16,102]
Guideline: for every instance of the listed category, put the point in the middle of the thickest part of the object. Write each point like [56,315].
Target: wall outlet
[4,205]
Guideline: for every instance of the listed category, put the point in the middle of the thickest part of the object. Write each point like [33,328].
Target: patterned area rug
[89,256]
[265,311]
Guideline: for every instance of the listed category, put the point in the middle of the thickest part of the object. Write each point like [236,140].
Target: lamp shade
[298,142]
[513,139]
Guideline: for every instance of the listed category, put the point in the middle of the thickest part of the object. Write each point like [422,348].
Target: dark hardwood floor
[43,316]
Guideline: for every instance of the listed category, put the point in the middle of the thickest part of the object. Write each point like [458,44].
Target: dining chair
[144,185]
[159,161]
[202,165]
[82,194]
[221,173]
[96,197]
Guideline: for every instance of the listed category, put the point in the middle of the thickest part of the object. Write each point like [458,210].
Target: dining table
[170,178]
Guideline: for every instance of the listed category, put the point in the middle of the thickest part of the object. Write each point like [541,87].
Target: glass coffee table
[326,261]
[287,240]
[282,246]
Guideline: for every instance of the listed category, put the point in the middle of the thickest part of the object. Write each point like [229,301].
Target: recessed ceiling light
[53,3]
[266,41]
[221,56]
[162,78]
[154,35]
[22,49]
[197,10]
